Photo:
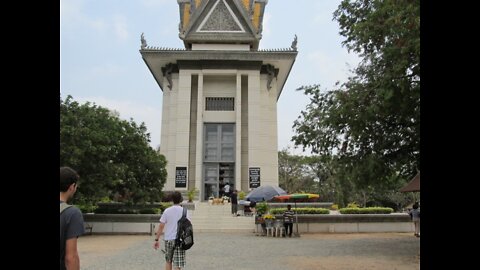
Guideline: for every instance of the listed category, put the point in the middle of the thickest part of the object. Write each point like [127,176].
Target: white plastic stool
[279,228]
[270,229]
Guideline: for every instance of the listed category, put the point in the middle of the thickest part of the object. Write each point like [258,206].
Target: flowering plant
[268,216]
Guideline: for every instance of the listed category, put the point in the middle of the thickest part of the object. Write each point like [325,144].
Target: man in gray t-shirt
[71,220]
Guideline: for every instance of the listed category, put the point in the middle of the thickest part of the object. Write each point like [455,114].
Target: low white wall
[359,227]
[146,224]
[121,228]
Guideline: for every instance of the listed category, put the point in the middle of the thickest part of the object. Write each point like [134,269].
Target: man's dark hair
[415,206]
[177,197]
[68,176]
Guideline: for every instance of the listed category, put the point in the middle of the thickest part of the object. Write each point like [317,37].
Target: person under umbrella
[295,197]
[288,220]
[264,193]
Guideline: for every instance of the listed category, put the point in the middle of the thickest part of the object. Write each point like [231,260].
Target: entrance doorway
[217,175]
[219,159]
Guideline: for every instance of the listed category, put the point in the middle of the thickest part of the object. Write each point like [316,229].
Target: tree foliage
[112,156]
[292,173]
[370,126]
[305,174]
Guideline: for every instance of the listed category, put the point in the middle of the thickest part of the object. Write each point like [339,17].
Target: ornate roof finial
[294,43]
[143,41]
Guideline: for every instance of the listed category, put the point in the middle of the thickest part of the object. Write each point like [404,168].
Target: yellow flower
[269,216]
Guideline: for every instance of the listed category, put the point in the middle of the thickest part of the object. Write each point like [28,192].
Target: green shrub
[115,211]
[352,205]
[262,208]
[121,208]
[165,205]
[191,194]
[105,199]
[241,195]
[87,208]
[149,211]
[127,211]
[302,211]
[367,210]
[334,207]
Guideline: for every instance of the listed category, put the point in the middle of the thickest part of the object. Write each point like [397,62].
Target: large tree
[112,156]
[289,171]
[370,125]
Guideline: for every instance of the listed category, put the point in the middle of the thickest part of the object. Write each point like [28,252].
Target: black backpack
[184,238]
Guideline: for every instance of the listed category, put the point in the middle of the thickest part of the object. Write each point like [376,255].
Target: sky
[100,60]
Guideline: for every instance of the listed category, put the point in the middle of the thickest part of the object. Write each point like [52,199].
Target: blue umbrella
[265,193]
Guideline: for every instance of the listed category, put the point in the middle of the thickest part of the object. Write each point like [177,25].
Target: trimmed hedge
[86,208]
[367,210]
[121,208]
[300,211]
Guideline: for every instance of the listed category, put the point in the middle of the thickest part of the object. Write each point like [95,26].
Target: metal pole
[296,217]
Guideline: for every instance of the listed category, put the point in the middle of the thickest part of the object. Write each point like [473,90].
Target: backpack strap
[184,214]
[64,206]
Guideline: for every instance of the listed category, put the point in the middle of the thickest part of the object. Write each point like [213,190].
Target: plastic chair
[269,227]
[279,228]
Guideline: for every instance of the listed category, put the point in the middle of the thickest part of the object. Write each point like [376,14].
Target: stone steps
[218,218]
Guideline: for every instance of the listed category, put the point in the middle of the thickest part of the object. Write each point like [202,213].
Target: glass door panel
[211,181]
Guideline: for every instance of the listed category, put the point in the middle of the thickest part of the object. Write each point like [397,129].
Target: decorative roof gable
[221,21]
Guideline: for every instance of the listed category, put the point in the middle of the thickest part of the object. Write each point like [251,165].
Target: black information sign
[181,177]
[254,177]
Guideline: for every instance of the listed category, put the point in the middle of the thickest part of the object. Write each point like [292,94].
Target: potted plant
[268,218]
[191,194]
[262,208]
[241,195]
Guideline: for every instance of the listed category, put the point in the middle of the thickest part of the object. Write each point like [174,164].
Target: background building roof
[414,184]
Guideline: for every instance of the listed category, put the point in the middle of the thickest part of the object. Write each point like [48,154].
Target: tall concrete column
[183,121]
[199,146]
[254,122]
[238,133]
[171,133]
[268,133]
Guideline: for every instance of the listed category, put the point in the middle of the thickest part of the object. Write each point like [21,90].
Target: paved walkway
[242,251]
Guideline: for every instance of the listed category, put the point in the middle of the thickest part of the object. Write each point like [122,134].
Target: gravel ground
[242,251]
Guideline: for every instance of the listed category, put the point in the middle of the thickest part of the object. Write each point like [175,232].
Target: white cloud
[71,10]
[154,3]
[267,16]
[73,15]
[323,17]
[332,68]
[139,112]
[120,26]
[97,24]
[106,70]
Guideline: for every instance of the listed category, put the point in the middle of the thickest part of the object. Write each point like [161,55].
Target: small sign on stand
[181,177]
[254,177]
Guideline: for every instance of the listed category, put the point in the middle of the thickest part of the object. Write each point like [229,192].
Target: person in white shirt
[226,188]
[168,225]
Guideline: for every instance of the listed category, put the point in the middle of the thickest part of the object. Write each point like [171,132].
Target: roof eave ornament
[271,75]
[294,43]
[167,72]
[143,45]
